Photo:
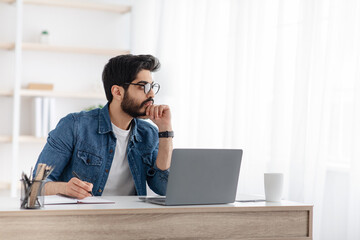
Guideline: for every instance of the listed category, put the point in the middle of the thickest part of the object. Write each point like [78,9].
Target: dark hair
[124,69]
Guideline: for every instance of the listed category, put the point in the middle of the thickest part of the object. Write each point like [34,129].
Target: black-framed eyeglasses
[147,86]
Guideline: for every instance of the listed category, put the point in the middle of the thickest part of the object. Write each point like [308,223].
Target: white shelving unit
[53,94]
[18,46]
[121,9]
[65,49]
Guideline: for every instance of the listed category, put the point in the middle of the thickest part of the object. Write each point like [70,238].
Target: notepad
[59,199]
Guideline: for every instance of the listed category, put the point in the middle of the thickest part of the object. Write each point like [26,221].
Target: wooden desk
[130,218]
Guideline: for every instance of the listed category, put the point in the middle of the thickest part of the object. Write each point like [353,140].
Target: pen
[77,176]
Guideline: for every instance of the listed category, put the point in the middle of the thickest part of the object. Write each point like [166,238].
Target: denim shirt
[85,143]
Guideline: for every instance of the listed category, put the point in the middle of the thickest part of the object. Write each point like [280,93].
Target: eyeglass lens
[150,86]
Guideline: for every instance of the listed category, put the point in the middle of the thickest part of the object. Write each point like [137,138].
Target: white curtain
[279,79]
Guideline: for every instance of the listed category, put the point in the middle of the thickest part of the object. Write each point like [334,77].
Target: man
[111,151]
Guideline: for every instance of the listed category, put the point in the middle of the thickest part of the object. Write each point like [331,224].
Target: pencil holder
[32,194]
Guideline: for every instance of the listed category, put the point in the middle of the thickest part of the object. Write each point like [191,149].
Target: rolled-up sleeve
[157,179]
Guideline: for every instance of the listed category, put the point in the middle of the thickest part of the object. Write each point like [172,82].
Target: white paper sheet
[59,199]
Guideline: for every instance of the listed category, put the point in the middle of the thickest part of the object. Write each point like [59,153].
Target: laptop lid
[203,176]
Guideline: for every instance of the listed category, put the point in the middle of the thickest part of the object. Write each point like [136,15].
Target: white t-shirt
[120,181]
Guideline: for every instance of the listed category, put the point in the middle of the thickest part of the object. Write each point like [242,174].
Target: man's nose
[150,94]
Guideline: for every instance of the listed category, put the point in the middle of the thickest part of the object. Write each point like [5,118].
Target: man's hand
[78,189]
[74,188]
[160,115]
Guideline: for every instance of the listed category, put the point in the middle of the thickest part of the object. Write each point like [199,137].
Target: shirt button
[100,190]
[87,160]
[110,151]
[107,170]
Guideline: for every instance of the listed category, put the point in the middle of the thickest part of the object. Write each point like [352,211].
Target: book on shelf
[41,86]
[44,120]
[37,105]
[45,117]
[52,120]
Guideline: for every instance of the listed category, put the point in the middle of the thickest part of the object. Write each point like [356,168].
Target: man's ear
[117,92]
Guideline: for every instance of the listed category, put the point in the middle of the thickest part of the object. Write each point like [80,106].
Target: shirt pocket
[89,159]
[87,166]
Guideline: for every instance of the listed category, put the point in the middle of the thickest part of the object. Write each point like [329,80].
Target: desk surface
[131,218]
[8,204]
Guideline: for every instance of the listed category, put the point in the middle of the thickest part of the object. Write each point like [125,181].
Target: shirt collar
[105,124]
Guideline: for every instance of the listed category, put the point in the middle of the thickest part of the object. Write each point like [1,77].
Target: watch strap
[166,134]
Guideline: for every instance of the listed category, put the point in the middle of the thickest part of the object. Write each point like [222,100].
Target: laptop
[201,176]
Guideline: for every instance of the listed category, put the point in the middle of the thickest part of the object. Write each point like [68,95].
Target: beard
[133,109]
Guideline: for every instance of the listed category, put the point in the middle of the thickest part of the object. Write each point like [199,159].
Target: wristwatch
[166,134]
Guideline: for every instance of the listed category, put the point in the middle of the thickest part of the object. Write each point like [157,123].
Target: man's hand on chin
[160,115]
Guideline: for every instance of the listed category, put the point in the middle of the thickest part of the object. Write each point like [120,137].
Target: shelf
[55,94]
[5,139]
[23,139]
[65,49]
[4,186]
[116,8]
[59,94]
[7,46]
[70,49]
[6,93]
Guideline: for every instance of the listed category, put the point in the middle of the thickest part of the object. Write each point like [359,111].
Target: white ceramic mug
[273,183]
